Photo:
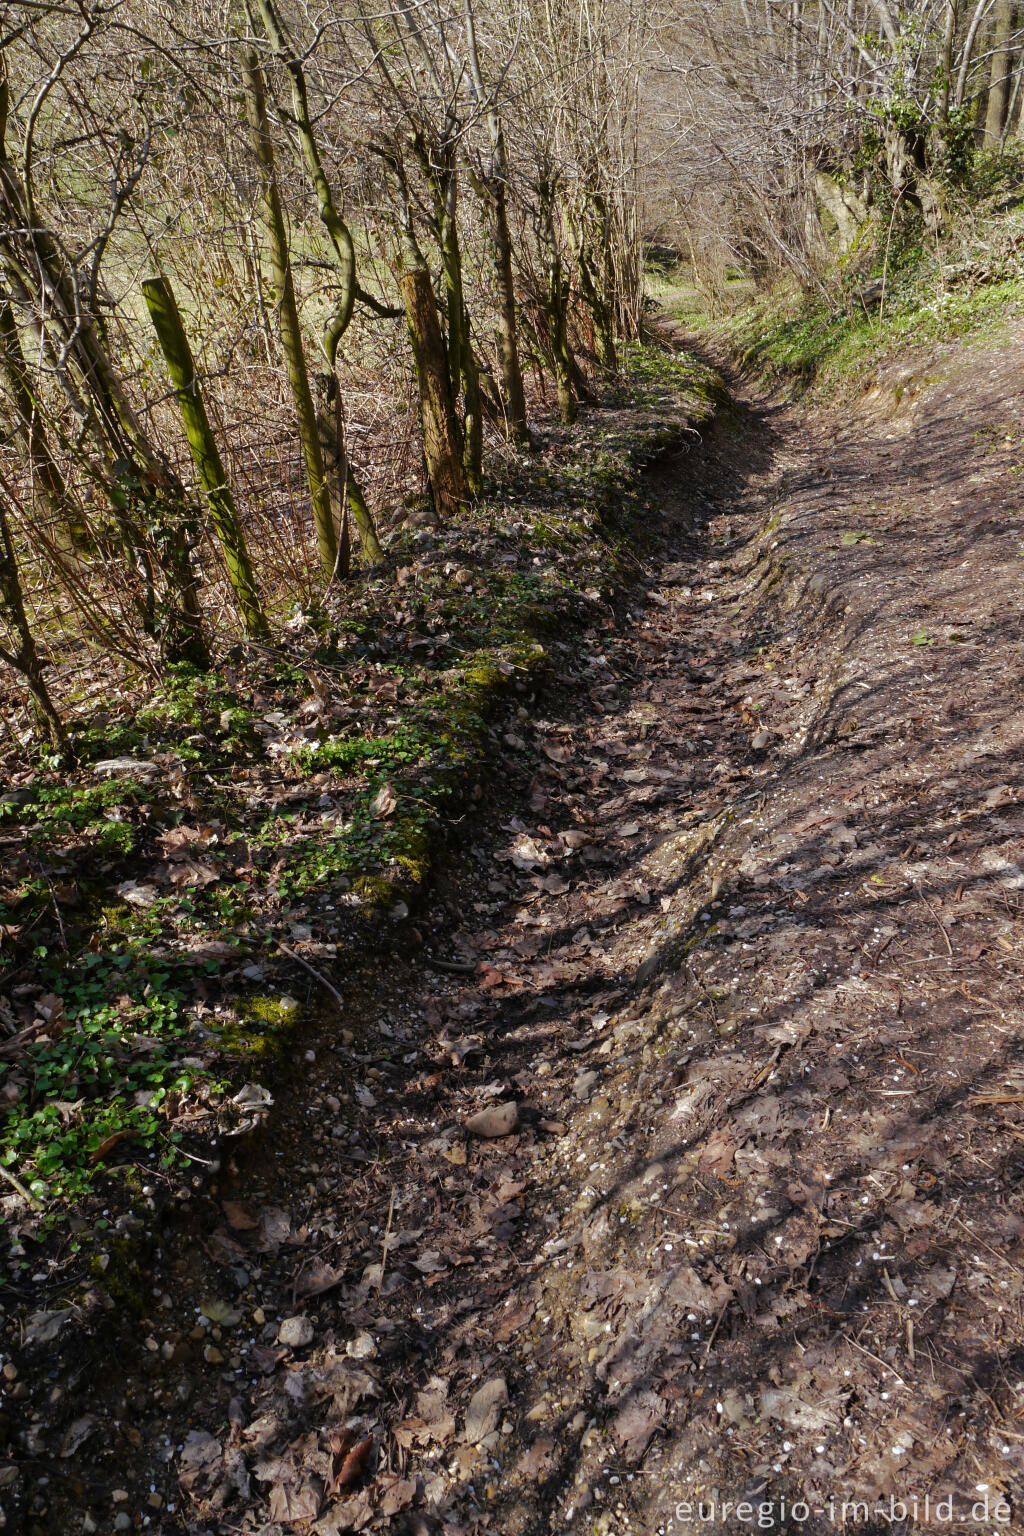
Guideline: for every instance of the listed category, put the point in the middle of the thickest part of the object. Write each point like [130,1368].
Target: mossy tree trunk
[288,315]
[441,447]
[47,480]
[1000,72]
[507,330]
[440,171]
[164,313]
[343,247]
[346,493]
[148,501]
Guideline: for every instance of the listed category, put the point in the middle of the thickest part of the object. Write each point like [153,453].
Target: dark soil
[743,946]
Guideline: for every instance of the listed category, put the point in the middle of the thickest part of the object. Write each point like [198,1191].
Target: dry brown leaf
[238,1216]
[537,1460]
[349,1462]
[292,1502]
[317,1278]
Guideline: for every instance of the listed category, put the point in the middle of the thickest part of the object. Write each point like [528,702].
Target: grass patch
[896,296]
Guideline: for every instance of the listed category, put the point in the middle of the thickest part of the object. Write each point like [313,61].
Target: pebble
[122,1522]
[496,1120]
[584,1083]
[295,1332]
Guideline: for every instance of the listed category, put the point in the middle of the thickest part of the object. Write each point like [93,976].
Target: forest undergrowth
[223,843]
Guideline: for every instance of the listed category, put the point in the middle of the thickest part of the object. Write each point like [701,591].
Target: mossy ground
[293,798]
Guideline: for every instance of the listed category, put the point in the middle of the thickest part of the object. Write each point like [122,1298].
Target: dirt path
[744,952]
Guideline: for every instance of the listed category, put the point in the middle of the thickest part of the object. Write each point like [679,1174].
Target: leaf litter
[758,1220]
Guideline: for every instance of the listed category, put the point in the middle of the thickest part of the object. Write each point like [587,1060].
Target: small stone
[154,1501]
[110,766]
[584,1083]
[362,1347]
[10,1371]
[212,1355]
[296,1332]
[122,1522]
[761,741]
[119,1496]
[496,1120]
[259,1317]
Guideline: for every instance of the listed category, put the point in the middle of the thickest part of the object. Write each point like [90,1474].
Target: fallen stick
[26,1194]
[317,975]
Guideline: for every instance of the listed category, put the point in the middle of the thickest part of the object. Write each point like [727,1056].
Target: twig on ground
[877,1359]
[26,1194]
[317,975]
[938,920]
[456,967]
[384,1246]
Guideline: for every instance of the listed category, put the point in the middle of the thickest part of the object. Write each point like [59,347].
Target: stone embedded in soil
[295,1332]
[496,1120]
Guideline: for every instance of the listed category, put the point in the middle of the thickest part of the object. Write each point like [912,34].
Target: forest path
[745,955]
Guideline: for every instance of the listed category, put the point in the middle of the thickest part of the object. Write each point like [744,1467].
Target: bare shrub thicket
[269,274]
[779,131]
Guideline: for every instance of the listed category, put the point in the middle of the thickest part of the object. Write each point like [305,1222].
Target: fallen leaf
[398,1495]
[348,1462]
[537,1460]
[110,1144]
[484,1411]
[635,1423]
[317,1278]
[384,802]
[296,1501]
[238,1216]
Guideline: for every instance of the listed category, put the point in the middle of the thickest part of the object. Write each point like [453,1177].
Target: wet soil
[682,1168]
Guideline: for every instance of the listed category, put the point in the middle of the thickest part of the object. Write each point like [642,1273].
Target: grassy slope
[294,797]
[970,286]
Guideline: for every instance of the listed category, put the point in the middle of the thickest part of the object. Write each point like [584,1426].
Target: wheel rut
[618,1194]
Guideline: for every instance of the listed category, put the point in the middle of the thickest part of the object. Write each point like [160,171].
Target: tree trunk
[147,498]
[507,336]
[25,659]
[440,434]
[291,332]
[337,230]
[494,191]
[1000,70]
[604,337]
[163,311]
[557,304]
[47,480]
[462,364]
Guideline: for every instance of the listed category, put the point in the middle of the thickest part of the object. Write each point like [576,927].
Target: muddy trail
[676,1183]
